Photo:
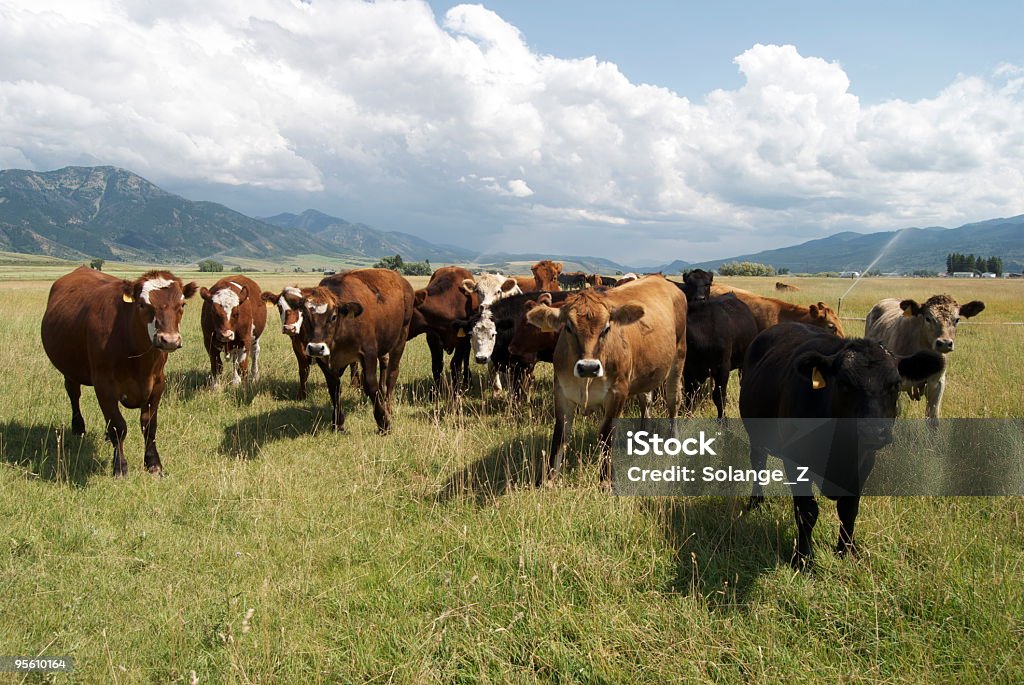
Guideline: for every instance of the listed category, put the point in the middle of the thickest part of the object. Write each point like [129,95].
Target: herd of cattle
[609,340]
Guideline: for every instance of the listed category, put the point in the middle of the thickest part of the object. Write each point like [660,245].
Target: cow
[596,280]
[289,304]
[718,332]
[906,327]
[438,306]
[360,316]
[489,288]
[572,280]
[769,311]
[798,371]
[115,335]
[785,287]
[233,319]
[530,344]
[612,345]
[545,275]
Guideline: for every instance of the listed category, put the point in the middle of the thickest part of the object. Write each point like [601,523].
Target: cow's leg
[355,379]
[847,508]
[216,365]
[758,462]
[721,387]
[390,375]
[805,508]
[495,377]
[933,395]
[606,433]
[436,359]
[255,359]
[304,363]
[644,399]
[460,366]
[565,411]
[242,366]
[148,423]
[74,391]
[117,428]
[373,390]
[674,388]
[333,380]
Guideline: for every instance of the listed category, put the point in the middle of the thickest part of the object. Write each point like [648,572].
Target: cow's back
[387,302]
[81,315]
[652,342]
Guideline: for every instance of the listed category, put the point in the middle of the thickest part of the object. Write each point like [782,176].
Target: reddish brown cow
[233,320]
[597,280]
[115,335]
[359,316]
[289,306]
[545,275]
[438,306]
[769,311]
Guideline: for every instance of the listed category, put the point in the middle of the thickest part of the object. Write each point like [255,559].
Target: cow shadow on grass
[721,549]
[246,438]
[52,453]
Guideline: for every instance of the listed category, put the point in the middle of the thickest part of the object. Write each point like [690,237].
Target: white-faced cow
[796,371]
[906,327]
[490,288]
[613,345]
[289,305]
[233,320]
[115,335]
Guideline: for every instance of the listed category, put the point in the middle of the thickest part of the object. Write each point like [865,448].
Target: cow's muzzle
[318,350]
[167,341]
[588,368]
[225,336]
[290,329]
[482,358]
[944,345]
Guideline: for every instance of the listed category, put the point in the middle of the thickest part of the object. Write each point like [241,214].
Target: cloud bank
[452,126]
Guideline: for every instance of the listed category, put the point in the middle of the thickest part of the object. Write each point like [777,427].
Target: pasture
[277,551]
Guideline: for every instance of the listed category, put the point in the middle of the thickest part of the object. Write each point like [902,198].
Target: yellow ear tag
[817,380]
[127,298]
[461,334]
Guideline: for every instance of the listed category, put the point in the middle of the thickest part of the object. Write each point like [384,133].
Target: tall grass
[277,551]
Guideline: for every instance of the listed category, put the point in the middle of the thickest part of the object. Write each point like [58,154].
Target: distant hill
[112,213]
[360,239]
[908,249]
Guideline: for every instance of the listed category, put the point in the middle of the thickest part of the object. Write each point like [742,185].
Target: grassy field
[276,551]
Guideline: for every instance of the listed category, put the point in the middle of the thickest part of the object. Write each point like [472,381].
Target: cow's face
[825,317]
[527,339]
[546,272]
[225,306]
[325,317]
[289,305]
[938,318]
[159,300]
[586,322]
[697,285]
[491,287]
[483,336]
[863,381]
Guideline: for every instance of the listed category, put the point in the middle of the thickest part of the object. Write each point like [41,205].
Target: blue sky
[642,132]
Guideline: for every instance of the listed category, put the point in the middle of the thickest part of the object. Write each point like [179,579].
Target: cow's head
[526,339]
[697,285]
[491,287]
[159,301]
[325,316]
[585,322]
[483,333]
[225,304]
[289,305]
[825,317]
[863,381]
[545,273]
[938,318]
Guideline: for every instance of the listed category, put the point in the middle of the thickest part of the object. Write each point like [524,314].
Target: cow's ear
[545,298]
[129,291]
[910,308]
[468,286]
[556,267]
[244,295]
[627,314]
[816,368]
[350,310]
[972,308]
[190,289]
[204,293]
[509,284]
[269,297]
[546,318]
[419,297]
[921,366]
[813,311]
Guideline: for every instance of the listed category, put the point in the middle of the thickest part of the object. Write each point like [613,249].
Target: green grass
[425,556]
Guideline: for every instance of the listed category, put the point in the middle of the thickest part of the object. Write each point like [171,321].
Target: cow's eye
[607,327]
[831,326]
[334,316]
[956,321]
[569,327]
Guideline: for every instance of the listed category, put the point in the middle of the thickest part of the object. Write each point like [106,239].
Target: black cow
[797,371]
[718,332]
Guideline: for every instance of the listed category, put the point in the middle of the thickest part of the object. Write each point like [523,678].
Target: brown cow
[785,287]
[769,311]
[233,320]
[360,316]
[289,304]
[438,306]
[613,345]
[115,335]
[572,280]
[596,280]
[545,275]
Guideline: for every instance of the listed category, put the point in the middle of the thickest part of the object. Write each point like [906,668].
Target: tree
[745,269]
[97,264]
[209,265]
[783,271]
[394,263]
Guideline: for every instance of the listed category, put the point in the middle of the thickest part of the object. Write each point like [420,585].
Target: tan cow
[769,311]
[233,320]
[545,275]
[115,335]
[906,327]
[613,345]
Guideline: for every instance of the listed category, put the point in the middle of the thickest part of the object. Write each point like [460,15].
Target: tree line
[969,262]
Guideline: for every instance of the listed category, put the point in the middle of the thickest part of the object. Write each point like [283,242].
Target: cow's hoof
[120,474]
[156,470]
[78,427]
[844,550]
[755,502]
[800,562]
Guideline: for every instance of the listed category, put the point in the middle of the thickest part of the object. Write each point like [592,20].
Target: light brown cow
[769,311]
[613,345]
[115,335]
[545,275]
[359,316]
[233,320]
[785,287]
[906,327]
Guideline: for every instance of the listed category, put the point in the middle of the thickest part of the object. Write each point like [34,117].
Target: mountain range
[104,211]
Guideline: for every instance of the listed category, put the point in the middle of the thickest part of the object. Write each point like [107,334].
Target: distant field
[276,551]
